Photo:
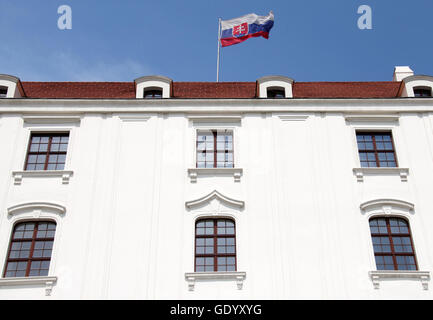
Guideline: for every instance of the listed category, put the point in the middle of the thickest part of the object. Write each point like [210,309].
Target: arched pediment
[387,206]
[213,202]
[37,209]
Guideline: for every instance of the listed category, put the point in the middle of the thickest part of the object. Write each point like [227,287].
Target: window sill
[23,281]
[193,173]
[380,275]
[192,277]
[361,172]
[64,174]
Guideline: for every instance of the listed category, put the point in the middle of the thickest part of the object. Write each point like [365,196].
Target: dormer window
[417,87]
[152,94]
[10,87]
[421,92]
[275,87]
[3,92]
[276,93]
[153,87]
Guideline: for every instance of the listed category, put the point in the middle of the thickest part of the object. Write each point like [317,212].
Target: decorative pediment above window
[418,87]
[275,87]
[153,87]
[10,87]
[387,206]
[37,209]
[215,202]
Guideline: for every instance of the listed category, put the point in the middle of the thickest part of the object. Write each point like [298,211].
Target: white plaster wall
[127,234]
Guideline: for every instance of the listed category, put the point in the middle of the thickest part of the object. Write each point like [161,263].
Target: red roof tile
[209,90]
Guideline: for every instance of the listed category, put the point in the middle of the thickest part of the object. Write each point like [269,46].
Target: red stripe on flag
[231,41]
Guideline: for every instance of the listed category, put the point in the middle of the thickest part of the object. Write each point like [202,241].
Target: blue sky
[312,40]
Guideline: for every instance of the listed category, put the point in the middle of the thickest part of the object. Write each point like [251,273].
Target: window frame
[4,95]
[34,238]
[51,134]
[275,91]
[389,235]
[153,91]
[375,151]
[215,236]
[424,89]
[215,151]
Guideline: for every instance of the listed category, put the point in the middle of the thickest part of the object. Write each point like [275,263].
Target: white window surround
[13,86]
[219,123]
[412,82]
[275,82]
[388,208]
[48,282]
[193,277]
[215,205]
[376,123]
[51,124]
[395,275]
[33,211]
[153,82]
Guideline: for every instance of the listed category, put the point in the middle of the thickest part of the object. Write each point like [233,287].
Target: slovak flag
[240,29]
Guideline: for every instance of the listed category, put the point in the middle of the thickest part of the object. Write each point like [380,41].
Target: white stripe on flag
[249,18]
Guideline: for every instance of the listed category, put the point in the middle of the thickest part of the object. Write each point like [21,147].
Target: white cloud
[64,66]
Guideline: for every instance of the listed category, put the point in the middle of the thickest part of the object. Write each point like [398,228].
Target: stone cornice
[59,106]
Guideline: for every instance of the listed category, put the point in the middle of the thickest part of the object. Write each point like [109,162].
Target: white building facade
[272,189]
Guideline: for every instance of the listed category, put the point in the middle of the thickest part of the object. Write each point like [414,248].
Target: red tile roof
[97,90]
[389,89]
[214,90]
[209,90]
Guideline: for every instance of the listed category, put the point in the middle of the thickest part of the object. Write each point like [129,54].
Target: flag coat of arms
[240,29]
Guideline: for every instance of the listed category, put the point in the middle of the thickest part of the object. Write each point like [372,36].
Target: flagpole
[218,58]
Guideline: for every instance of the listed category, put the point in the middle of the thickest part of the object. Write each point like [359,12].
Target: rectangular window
[376,149]
[3,92]
[47,151]
[422,93]
[215,149]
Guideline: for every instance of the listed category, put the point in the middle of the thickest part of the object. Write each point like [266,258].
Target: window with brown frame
[422,92]
[215,149]
[30,249]
[152,94]
[376,149]
[3,92]
[215,245]
[47,151]
[392,244]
